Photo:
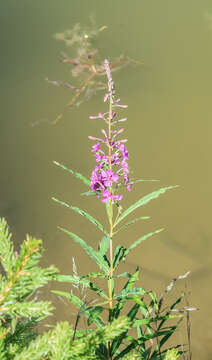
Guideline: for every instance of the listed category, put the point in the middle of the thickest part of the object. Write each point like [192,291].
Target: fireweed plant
[109,177]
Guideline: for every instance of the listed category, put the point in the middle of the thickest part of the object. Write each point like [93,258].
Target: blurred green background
[169,130]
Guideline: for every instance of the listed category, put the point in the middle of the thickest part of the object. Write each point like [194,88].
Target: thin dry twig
[86,65]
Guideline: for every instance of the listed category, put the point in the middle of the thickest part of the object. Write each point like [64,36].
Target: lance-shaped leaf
[124,274]
[127,350]
[128,286]
[164,336]
[169,310]
[96,288]
[94,313]
[80,280]
[142,238]
[72,298]
[104,245]
[90,251]
[80,304]
[117,342]
[95,275]
[119,254]
[154,319]
[75,173]
[109,212]
[125,294]
[103,248]
[88,193]
[72,279]
[83,213]
[142,180]
[143,201]
[132,222]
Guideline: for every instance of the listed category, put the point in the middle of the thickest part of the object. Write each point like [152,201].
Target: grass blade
[75,173]
[83,213]
[143,201]
[90,251]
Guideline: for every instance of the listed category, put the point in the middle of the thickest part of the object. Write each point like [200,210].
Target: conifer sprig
[21,277]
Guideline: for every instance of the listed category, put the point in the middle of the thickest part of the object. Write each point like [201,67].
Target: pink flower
[95,147]
[112,169]
[108,195]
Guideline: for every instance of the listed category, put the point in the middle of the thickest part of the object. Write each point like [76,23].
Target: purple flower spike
[112,168]
[95,147]
[107,195]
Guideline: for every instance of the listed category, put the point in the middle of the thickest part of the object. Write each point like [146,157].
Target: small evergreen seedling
[20,279]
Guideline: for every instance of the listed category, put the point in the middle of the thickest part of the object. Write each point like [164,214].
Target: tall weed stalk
[147,318]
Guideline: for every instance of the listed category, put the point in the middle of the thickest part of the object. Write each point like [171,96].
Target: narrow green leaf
[153,335]
[146,352]
[88,193]
[133,312]
[176,302]
[72,279]
[143,307]
[135,181]
[127,349]
[164,336]
[142,238]
[143,201]
[104,245]
[80,305]
[95,275]
[90,251]
[108,209]
[154,319]
[72,298]
[80,280]
[118,341]
[133,278]
[94,312]
[99,291]
[83,213]
[75,173]
[124,274]
[132,222]
[143,180]
[129,293]
[128,286]
[118,255]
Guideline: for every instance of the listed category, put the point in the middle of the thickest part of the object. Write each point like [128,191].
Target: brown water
[169,129]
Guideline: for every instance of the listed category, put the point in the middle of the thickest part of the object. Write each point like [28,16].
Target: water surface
[169,129]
